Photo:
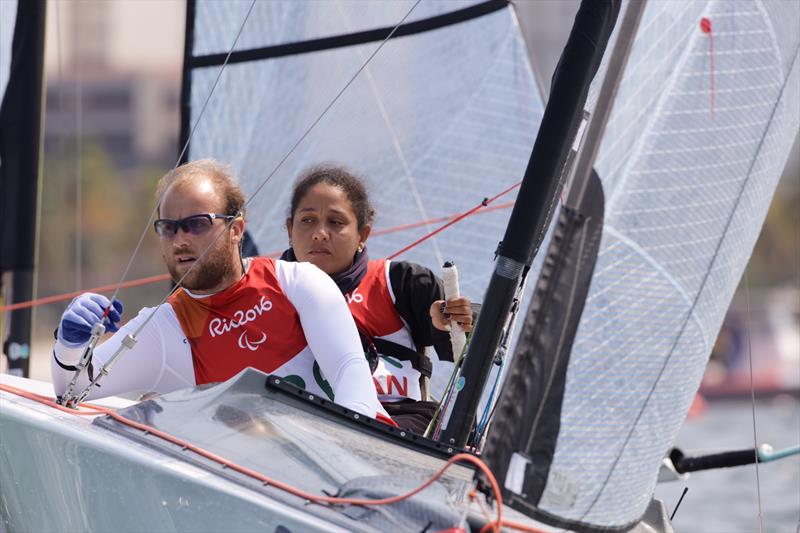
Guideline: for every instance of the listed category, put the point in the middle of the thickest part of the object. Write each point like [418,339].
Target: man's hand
[82,313]
[457,309]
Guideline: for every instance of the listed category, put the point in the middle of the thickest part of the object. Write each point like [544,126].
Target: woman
[398,307]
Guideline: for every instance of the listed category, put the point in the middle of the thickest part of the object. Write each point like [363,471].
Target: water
[726,500]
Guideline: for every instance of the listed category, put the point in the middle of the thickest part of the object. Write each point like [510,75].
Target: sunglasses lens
[196,224]
[166,228]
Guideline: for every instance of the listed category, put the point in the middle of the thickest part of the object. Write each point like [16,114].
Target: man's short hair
[220,175]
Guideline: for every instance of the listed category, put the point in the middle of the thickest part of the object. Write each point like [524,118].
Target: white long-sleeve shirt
[163,360]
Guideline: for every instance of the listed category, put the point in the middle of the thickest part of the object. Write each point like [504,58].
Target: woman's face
[324,229]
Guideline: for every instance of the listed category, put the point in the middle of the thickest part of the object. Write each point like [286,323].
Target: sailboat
[641,203]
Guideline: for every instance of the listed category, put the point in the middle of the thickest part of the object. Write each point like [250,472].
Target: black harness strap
[419,361]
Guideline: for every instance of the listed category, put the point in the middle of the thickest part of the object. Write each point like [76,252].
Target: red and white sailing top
[252,322]
[373,306]
[287,319]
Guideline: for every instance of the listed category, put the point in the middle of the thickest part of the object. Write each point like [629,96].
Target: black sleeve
[415,289]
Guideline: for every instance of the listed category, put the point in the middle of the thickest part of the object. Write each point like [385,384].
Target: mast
[537,197]
[534,389]
[21,117]
[186,84]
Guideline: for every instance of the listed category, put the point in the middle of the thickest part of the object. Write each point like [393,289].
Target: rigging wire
[130,340]
[485,202]
[502,354]
[397,148]
[680,500]
[62,106]
[183,150]
[78,170]
[748,327]
[331,104]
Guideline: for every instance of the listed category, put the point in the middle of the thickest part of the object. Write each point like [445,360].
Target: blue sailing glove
[82,313]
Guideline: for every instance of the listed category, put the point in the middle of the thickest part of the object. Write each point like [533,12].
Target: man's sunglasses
[196,224]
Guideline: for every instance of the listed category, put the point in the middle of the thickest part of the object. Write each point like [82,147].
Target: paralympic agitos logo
[220,326]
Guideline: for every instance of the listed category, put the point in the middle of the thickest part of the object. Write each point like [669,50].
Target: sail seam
[398,149]
[642,253]
[644,111]
[657,106]
[351,39]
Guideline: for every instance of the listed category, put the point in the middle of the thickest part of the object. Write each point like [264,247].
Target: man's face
[220,267]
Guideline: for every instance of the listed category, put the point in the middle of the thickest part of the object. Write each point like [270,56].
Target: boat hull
[203,462]
[59,472]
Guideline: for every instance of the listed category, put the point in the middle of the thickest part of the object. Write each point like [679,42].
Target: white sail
[8,16]
[688,174]
[436,122]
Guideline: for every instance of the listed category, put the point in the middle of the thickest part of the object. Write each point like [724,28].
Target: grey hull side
[58,472]
[62,472]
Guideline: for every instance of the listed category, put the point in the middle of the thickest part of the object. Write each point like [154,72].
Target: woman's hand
[457,309]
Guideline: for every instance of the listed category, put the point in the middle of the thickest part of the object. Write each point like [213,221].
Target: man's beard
[209,273]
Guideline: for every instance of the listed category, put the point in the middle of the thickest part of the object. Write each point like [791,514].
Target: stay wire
[485,202]
[288,154]
[491,404]
[78,170]
[283,159]
[183,151]
[398,148]
[210,246]
[748,327]
[63,172]
[135,252]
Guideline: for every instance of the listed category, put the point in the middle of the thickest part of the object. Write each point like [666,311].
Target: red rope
[452,219]
[268,481]
[403,227]
[69,295]
[465,214]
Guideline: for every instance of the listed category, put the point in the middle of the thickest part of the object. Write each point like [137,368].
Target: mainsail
[699,134]
[443,117]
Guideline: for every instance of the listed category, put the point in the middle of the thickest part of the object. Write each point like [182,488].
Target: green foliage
[776,257]
[115,208]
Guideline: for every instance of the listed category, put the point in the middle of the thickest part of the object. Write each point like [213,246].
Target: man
[283,318]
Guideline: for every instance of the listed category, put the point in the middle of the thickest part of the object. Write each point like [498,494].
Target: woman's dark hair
[352,186]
